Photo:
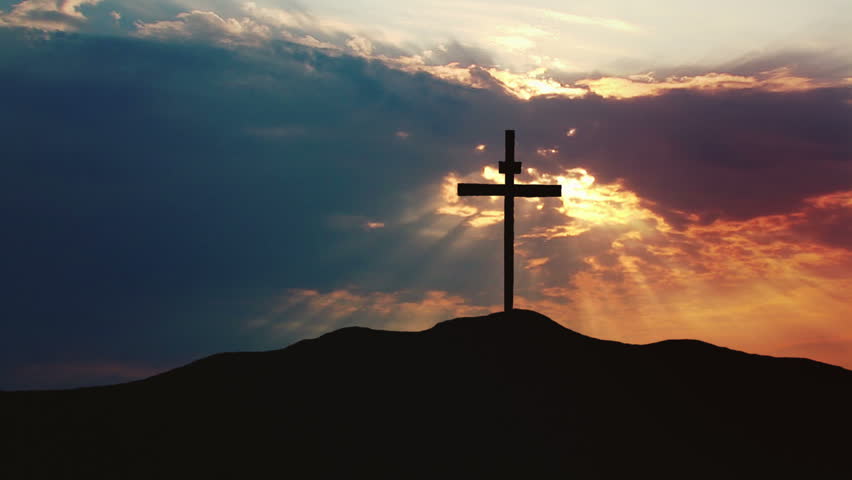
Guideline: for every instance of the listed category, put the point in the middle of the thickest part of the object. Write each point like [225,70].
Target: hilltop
[514,396]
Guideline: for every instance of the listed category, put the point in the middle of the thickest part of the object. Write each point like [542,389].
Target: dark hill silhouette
[497,396]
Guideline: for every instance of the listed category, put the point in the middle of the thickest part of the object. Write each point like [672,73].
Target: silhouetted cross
[509,191]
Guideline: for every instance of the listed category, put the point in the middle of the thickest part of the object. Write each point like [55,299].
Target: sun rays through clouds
[754,284]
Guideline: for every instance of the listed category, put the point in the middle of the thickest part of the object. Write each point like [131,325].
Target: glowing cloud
[778,80]
[537,82]
[585,203]
[47,15]
[544,152]
[207,25]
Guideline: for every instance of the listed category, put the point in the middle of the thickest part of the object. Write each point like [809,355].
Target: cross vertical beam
[509,225]
[509,191]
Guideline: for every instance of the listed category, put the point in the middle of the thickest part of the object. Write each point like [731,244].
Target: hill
[510,396]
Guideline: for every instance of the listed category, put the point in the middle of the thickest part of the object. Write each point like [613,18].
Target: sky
[182,178]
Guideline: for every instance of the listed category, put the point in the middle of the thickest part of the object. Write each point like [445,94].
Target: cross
[509,191]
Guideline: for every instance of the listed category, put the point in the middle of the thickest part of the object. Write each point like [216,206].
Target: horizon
[184,178]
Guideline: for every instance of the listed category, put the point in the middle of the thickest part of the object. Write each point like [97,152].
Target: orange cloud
[778,80]
[757,285]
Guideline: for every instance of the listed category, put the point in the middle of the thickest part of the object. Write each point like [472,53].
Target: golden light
[571,132]
[586,203]
[485,218]
[765,285]
[534,263]
[546,151]
[480,147]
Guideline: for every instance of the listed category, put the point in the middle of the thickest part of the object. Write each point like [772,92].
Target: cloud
[463,55]
[777,80]
[514,42]
[277,16]
[468,65]
[206,26]
[360,45]
[259,27]
[47,15]
[827,219]
[537,82]
[608,23]
[825,63]
[731,154]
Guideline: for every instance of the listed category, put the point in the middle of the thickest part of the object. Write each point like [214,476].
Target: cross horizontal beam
[500,190]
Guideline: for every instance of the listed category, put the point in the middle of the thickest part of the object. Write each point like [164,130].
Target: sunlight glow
[585,203]
[546,151]
[769,284]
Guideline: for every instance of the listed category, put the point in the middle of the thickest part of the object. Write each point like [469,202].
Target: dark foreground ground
[498,396]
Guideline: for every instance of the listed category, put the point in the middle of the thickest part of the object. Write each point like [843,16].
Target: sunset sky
[182,178]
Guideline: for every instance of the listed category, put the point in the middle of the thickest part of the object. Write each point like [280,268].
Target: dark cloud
[828,65]
[147,190]
[735,154]
[464,55]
